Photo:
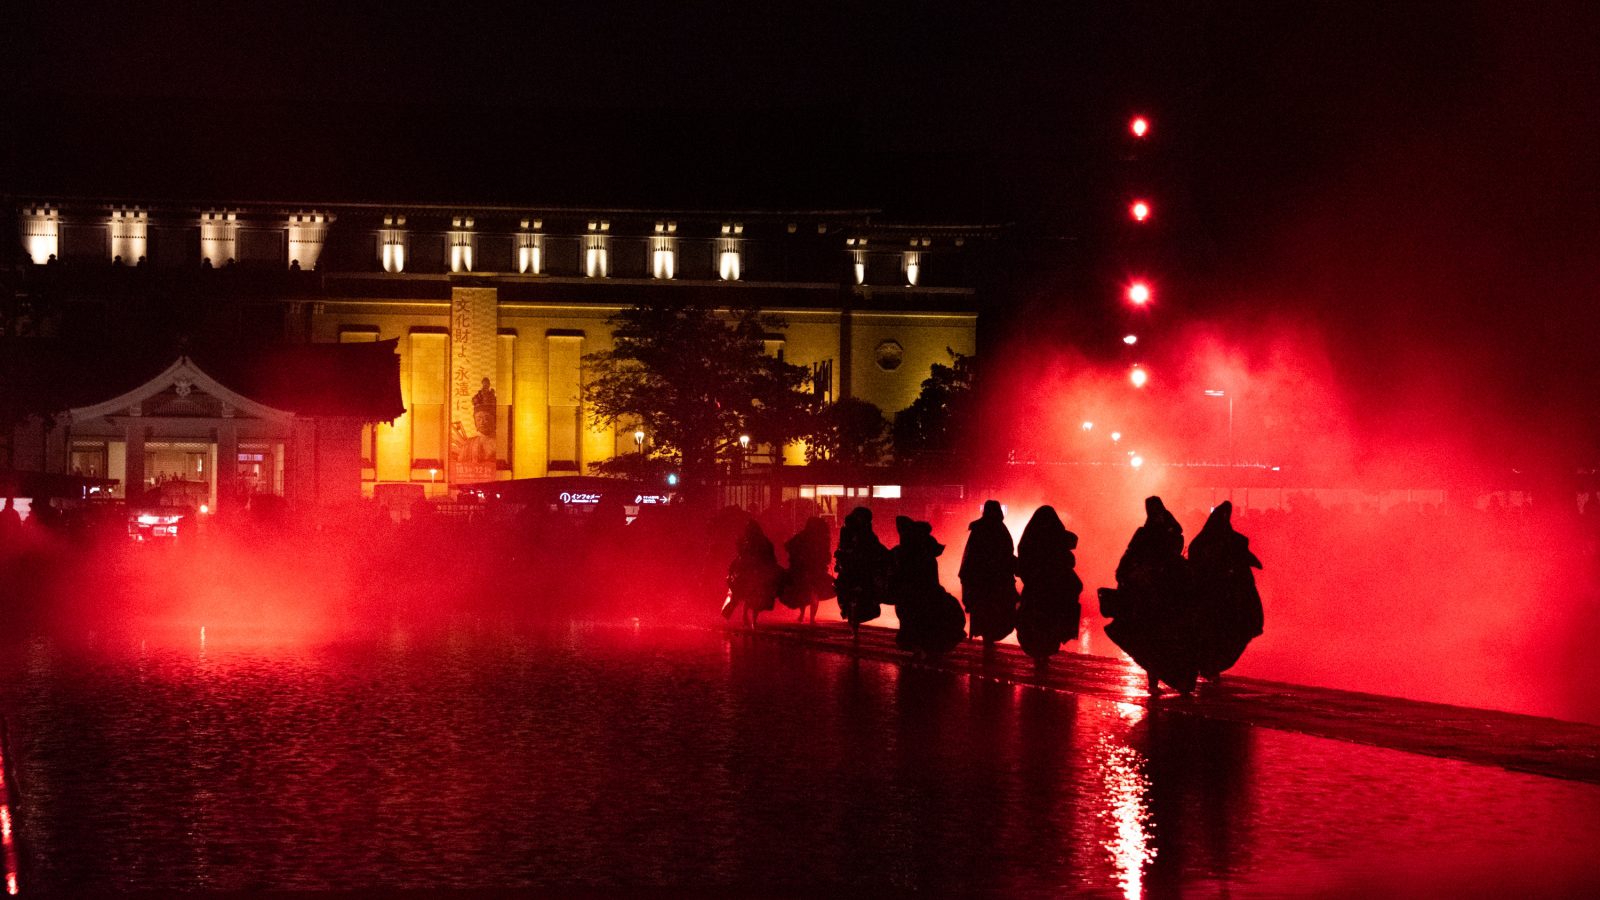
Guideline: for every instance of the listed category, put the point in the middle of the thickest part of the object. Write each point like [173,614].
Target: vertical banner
[474,444]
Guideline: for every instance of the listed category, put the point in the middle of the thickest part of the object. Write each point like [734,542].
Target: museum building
[475,320]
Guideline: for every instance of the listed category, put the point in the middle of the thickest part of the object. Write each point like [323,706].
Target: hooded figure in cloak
[1050,609]
[808,582]
[931,621]
[862,564]
[988,576]
[753,574]
[1151,608]
[1227,605]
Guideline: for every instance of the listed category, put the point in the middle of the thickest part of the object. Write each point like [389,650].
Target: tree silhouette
[938,421]
[694,381]
[851,432]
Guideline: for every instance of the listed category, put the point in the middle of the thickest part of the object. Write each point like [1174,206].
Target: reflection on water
[1125,807]
[639,755]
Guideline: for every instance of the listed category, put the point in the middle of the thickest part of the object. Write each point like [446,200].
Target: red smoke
[1390,566]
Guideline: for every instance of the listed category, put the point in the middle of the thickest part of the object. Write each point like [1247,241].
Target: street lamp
[744,442]
[1139,293]
[1130,339]
[638,440]
[1140,210]
[1140,126]
[1088,426]
[1139,376]
[1219,394]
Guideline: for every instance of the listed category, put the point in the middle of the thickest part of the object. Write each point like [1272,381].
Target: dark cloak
[930,618]
[1152,611]
[863,568]
[1050,610]
[808,580]
[753,574]
[1227,604]
[988,575]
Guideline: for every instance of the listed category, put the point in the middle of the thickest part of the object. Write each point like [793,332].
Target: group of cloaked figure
[1180,618]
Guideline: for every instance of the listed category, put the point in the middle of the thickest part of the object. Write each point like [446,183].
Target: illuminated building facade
[492,309]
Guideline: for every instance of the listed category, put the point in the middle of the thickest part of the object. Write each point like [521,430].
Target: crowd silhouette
[1180,618]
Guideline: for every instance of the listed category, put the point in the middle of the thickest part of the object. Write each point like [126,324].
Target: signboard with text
[474,445]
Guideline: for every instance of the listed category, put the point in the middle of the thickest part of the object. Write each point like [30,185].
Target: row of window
[223,239]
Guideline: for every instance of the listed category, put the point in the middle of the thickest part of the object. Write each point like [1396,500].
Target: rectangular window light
[888,491]
[830,490]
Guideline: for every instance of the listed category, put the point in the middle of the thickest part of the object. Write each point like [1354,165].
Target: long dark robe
[753,574]
[1153,618]
[988,576]
[862,564]
[807,580]
[1050,610]
[931,619]
[1228,606]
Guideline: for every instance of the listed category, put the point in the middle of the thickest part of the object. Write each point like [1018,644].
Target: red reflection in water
[1125,811]
[8,847]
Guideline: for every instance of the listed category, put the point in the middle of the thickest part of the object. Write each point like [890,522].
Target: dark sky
[1421,178]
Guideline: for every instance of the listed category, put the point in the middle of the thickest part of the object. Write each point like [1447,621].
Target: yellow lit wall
[528,331]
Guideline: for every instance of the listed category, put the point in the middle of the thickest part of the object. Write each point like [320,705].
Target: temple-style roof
[360,381]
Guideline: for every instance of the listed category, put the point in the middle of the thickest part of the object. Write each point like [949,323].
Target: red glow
[1139,126]
[1140,210]
[1139,377]
[1139,293]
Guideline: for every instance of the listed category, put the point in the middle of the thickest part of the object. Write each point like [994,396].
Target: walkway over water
[1519,743]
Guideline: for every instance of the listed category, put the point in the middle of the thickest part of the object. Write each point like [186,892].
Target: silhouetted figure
[807,582]
[931,621]
[1227,605]
[753,574]
[863,568]
[988,576]
[1050,609]
[1150,608]
[10,524]
[205,262]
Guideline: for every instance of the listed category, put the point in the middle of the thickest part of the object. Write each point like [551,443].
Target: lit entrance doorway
[182,473]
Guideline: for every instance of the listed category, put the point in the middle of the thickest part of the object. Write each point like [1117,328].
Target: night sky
[1419,180]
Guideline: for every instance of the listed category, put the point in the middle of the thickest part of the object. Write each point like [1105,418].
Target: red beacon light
[1139,210]
[1139,293]
[1140,126]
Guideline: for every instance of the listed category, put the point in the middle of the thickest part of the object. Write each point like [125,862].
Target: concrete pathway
[1520,743]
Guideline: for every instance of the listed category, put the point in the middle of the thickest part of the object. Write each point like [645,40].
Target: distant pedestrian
[1151,610]
[1227,604]
[988,576]
[807,582]
[1050,608]
[753,574]
[863,568]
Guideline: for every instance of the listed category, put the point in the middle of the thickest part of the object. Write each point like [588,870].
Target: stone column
[133,477]
[227,473]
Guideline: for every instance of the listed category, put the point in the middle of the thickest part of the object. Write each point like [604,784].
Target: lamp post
[1216,393]
[638,440]
[744,447]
